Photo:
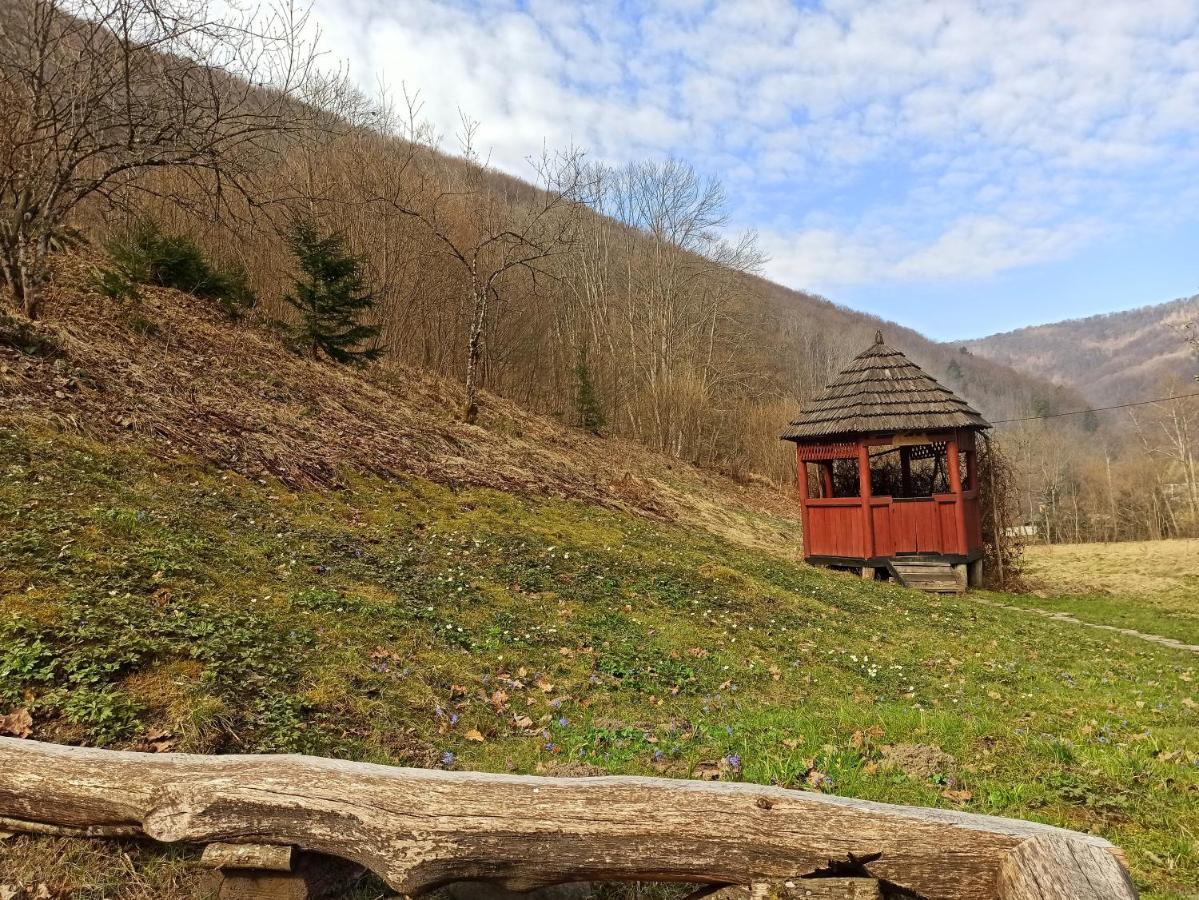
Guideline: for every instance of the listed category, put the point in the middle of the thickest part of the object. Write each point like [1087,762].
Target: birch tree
[492,228]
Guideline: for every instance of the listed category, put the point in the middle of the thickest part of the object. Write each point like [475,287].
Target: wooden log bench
[419,829]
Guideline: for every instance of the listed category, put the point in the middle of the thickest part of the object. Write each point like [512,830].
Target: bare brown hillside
[169,369]
[1111,358]
[806,323]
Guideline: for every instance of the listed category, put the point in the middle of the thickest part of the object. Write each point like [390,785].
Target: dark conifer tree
[330,294]
[587,403]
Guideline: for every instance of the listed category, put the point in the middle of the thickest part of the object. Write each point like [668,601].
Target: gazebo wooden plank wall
[856,442]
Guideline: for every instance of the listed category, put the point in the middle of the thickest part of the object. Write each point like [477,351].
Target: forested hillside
[1135,474]
[612,297]
[687,351]
[1115,358]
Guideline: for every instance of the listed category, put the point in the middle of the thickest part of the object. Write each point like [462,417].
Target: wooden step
[932,575]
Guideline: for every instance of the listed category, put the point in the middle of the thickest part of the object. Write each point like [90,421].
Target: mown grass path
[1066,617]
[1148,586]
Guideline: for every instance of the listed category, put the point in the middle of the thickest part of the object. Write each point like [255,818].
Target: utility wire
[1083,412]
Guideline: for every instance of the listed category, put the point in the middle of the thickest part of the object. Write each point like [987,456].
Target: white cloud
[901,139]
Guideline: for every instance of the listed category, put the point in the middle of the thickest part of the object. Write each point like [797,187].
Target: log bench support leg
[266,872]
[803,889]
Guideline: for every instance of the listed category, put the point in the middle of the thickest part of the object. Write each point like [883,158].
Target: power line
[1083,412]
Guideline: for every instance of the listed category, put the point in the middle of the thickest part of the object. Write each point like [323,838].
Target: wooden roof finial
[878,336]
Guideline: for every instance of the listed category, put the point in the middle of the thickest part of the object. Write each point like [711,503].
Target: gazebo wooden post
[801,472]
[826,478]
[959,509]
[974,569]
[864,491]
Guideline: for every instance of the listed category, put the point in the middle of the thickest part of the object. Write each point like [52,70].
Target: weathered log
[270,857]
[419,829]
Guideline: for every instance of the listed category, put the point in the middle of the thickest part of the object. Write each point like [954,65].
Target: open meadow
[1152,586]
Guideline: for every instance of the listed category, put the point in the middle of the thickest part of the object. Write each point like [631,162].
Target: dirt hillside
[170,367]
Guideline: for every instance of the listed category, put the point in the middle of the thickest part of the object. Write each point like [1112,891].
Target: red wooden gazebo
[887,473]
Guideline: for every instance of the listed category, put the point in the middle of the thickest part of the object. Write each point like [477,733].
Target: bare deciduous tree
[1190,334]
[493,228]
[95,94]
[658,290]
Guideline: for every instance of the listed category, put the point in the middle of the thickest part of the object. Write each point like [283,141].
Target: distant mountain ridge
[1113,358]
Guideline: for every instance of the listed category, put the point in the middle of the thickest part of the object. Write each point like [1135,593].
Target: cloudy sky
[962,167]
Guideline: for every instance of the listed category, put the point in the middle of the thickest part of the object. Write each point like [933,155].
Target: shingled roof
[882,391]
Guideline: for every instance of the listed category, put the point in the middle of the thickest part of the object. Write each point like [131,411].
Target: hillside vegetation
[1114,358]
[178,574]
[169,366]
[623,283]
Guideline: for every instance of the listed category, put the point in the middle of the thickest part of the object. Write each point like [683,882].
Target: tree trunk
[474,351]
[31,262]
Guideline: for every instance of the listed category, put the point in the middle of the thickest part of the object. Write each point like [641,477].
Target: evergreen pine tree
[587,404]
[330,294]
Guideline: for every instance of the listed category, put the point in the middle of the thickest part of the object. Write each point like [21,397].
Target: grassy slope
[387,620]
[209,544]
[1152,586]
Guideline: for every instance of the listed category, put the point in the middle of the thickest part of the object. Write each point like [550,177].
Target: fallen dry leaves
[18,723]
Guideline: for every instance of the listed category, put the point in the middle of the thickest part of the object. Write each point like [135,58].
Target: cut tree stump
[419,829]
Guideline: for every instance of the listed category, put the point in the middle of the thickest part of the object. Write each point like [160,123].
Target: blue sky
[960,167]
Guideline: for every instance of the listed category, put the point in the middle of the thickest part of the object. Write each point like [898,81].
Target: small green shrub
[113,284]
[107,713]
[144,254]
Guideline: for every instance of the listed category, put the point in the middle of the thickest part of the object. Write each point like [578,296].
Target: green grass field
[1152,586]
[164,603]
